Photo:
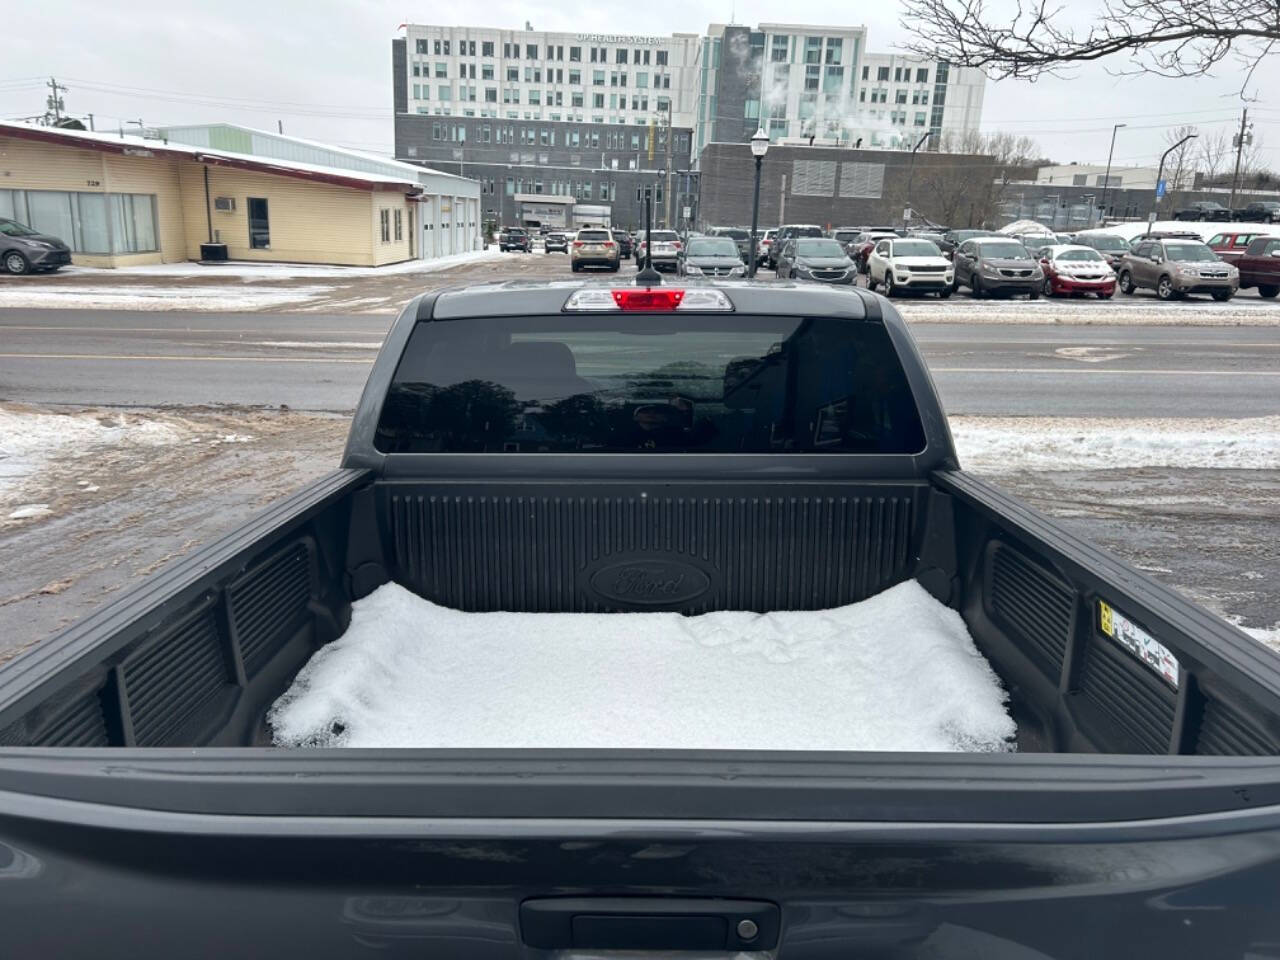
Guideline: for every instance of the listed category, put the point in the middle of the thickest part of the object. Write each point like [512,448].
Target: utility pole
[666,124]
[53,102]
[1106,181]
[1240,142]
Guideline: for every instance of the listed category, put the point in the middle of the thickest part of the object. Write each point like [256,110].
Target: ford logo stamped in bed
[658,582]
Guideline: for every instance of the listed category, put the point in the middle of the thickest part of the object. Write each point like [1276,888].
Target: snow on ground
[1267,636]
[284,271]
[1205,229]
[30,441]
[230,297]
[895,672]
[1194,311]
[1004,444]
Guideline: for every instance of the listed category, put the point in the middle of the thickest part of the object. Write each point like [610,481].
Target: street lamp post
[1160,173]
[911,174]
[759,147]
[1106,181]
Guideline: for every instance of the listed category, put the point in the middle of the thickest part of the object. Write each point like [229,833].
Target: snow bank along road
[307,288]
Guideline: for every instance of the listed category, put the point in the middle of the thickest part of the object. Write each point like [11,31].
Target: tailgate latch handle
[649,923]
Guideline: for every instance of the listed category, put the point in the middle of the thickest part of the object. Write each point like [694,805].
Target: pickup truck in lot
[1203,210]
[1261,211]
[621,456]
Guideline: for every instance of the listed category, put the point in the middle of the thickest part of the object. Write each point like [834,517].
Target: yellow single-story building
[126,200]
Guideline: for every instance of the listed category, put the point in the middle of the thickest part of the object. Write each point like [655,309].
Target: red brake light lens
[650,300]
[577,243]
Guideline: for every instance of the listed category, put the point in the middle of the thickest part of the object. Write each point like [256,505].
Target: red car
[1071,269]
[1231,246]
[860,248]
[1260,266]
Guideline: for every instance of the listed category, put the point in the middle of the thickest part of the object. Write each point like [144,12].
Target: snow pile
[1205,229]
[31,440]
[895,672]
[234,296]
[1004,444]
[1267,636]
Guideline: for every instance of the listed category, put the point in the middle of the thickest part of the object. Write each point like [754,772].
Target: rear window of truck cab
[678,383]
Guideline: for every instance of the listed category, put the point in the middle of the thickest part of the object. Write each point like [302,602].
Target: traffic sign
[1161,188]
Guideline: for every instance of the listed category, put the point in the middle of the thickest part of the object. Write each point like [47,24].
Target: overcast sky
[323,68]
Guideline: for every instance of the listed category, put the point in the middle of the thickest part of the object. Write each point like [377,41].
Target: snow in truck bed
[897,671]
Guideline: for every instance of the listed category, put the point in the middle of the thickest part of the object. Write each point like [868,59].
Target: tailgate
[471,857]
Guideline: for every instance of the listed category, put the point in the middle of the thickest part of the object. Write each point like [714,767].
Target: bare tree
[1172,38]
[968,192]
[1214,157]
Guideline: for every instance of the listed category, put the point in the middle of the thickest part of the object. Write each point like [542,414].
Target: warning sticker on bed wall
[1138,642]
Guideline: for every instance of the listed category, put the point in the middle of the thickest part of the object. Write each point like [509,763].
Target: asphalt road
[320,362]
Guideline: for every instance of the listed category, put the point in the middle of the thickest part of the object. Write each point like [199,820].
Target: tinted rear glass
[594,236]
[712,247]
[1109,241]
[734,233]
[1002,249]
[664,236]
[650,384]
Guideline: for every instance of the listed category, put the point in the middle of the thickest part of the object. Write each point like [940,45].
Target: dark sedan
[23,250]
[710,257]
[815,258]
[990,266]
[625,246]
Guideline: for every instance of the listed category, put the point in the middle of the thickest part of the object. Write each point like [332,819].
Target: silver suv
[1174,268]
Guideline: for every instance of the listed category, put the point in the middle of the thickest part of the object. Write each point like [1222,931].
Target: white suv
[909,263]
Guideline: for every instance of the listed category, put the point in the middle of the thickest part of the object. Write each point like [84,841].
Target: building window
[442,70]
[664,104]
[513,74]
[811,77]
[259,224]
[490,94]
[484,133]
[511,187]
[486,48]
[417,91]
[642,80]
[862,95]
[575,77]
[575,54]
[446,48]
[576,99]
[620,55]
[446,92]
[399,226]
[882,74]
[420,46]
[900,96]
[751,110]
[437,48]
[435,131]
[920,119]
[778,50]
[660,58]
[486,72]
[597,101]
[597,78]
[535,98]
[922,75]
[835,49]
[531,51]
[812,49]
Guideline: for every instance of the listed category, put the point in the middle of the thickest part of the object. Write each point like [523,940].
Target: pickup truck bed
[141,815]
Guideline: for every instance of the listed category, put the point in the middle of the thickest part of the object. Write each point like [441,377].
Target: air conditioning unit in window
[224,203]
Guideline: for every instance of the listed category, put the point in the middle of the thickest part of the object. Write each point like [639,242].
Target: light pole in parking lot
[911,176]
[759,147]
[1160,175]
[1106,181]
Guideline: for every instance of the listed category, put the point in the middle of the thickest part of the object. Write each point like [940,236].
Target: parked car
[593,248]
[993,265]
[1033,241]
[1260,211]
[909,264]
[785,233]
[863,243]
[1231,245]
[23,250]
[1260,266]
[815,258]
[1174,268]
[953,238]
[666,250]
[557,241]
[933,236]
[1163,235]
[710,257]
[1074,268]
[845,236]
[625,245]
[1203,210]
[782,451]
[515,238]
[741,237]
[762,248]
[1112,246]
